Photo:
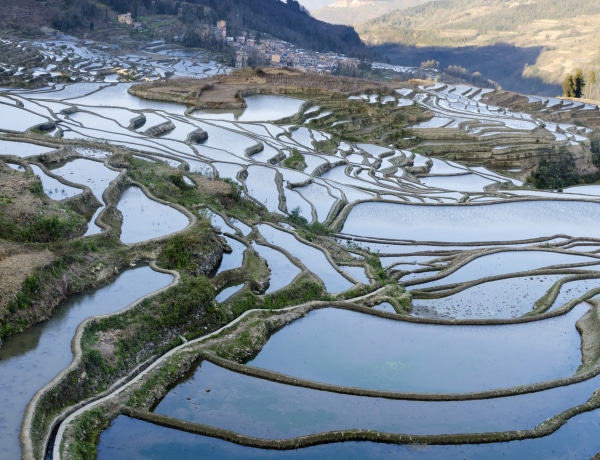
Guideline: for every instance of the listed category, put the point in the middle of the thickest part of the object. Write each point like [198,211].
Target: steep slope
[168,18]
[289,22]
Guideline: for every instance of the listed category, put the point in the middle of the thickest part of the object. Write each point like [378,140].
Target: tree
[567,86]
[573,84]
[430,64]
[579,83]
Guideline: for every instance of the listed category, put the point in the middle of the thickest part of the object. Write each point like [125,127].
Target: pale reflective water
[355,349]
[260,108]
[312,258]
[31,359]
[256,407]
[144,219]
[493,222]
[282,270]
[134,439]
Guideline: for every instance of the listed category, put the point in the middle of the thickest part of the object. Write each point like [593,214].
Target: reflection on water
[494,222]
[31,359]
[502,263]
[355,349]
[228,292]
[282,270]
[502,299]
[256,407]
[135,440]
[144,219]
[260,108]
[312,258]
[235,258]
[22,149]
[53,187]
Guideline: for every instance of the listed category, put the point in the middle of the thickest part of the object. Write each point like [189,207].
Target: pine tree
[578,83]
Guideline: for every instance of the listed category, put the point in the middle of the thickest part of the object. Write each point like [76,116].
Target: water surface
[31,359]
[144,219]
[355,349]
[136,440]
[493,222]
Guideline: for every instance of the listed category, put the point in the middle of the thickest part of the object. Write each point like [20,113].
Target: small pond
[22,149]
[91,173]
[500,299]
[53,187]
[260,108]
[506,262]
[235,258]
[282,270]
[144,219]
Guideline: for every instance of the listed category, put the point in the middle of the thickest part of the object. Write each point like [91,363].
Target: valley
[557,39]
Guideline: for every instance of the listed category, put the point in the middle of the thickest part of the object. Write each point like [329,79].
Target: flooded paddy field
[473,295]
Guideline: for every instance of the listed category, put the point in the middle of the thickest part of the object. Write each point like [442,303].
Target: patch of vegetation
[381,124]
[573,84]
[87,433]
[301,291]
[310,230]
[154,326]
[379,273]
[41,228]
[185,251]
[595,148]
[146,395]
[555,171]
[295,161]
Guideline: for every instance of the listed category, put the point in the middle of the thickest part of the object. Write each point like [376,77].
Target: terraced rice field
[498,276]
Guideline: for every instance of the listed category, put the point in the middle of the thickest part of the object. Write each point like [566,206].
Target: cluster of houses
[252,51]
[127,19]
[277,53]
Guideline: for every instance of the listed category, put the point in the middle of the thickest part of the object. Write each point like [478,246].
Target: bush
[556,171]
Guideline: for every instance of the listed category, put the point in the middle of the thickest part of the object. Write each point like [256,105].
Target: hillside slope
[166,19]
[567,32]
[359,11]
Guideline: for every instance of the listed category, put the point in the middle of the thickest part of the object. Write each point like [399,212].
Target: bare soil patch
[229,91]
[17,263]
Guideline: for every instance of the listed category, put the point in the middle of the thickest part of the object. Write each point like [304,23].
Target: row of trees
[574,83]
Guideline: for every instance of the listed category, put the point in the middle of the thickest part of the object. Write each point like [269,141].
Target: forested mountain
[287,21]
[566,32]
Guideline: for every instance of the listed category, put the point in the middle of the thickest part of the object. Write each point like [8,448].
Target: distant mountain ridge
[566,32]
[311,5]
[355,12]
